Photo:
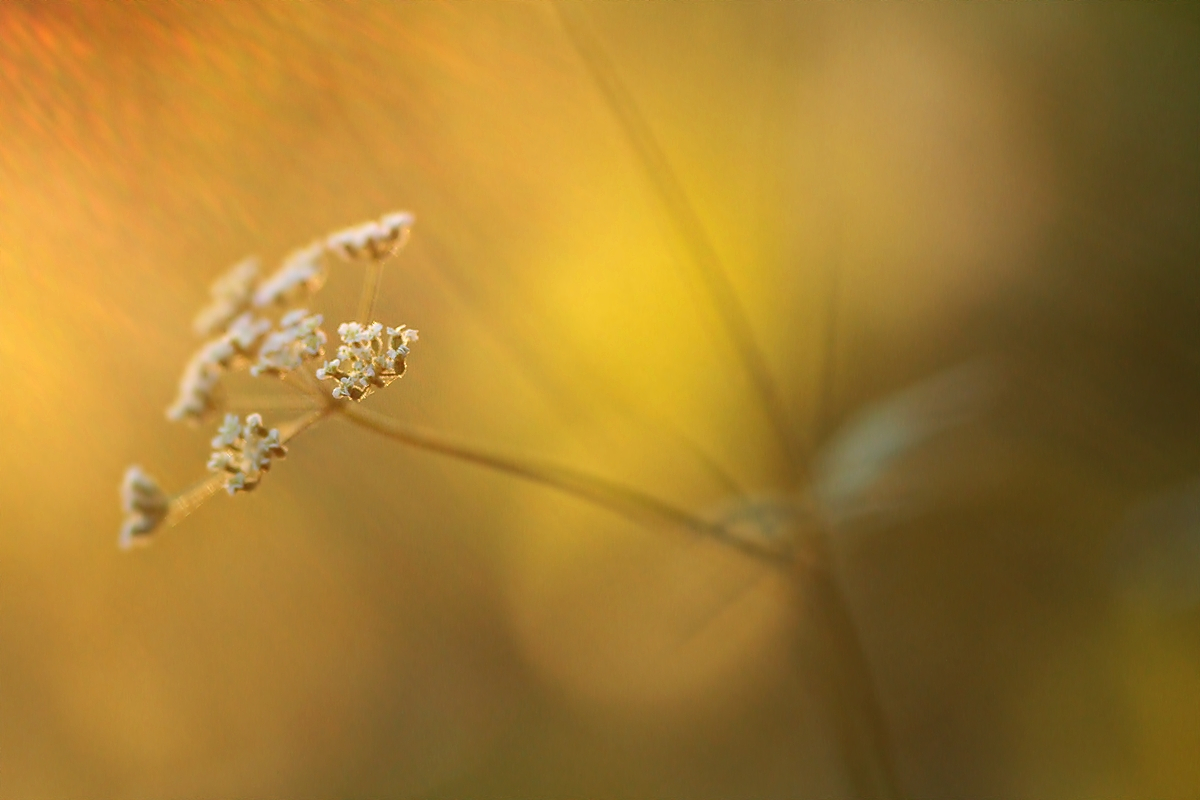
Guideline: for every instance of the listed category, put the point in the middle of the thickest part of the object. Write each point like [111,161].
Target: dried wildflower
[145,506]
[244,451]
[370,358]
[372,240]
[245,328]
[301,275]
[231,296]
[298,339]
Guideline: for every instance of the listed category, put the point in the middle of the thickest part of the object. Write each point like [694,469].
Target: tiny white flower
[244,451]
[221,462]
[372,240]
[228,433]
[299,339]
[145,505]
[365,361]
[231,295]
[300,276]
[200,382]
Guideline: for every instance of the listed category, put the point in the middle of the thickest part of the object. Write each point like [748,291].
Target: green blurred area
[1015,185]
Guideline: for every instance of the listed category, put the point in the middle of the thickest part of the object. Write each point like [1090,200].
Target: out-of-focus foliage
[1012,186]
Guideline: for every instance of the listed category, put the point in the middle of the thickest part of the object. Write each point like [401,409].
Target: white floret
[231,295]
[372,240]
[145,505]
[299,339]
[301,275]
[371,357]
[244,451]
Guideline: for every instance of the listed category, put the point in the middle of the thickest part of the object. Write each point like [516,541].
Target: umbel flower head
[372,240]
[371,357]
[298,339]
[231,295]
[242,452]
[253,324]
[200,384]
[301,275]
[145,505]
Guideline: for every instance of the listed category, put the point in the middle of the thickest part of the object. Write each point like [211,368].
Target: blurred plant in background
[894,307]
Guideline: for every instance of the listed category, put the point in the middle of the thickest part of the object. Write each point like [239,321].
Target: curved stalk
[601,492]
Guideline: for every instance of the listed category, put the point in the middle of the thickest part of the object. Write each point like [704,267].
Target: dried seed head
[372,240]
[300,276]
[298,339]
[145,506]
[243,451]
[231,296]
[370,357]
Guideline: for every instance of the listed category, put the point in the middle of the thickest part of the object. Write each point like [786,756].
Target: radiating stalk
[370,292]
[823,415]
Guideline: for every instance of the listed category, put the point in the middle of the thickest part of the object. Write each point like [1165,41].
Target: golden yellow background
[1012,180]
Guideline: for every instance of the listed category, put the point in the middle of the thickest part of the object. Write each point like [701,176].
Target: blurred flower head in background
[962,238]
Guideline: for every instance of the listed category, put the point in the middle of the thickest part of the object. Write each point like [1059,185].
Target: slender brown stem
[601,492]
[272,402]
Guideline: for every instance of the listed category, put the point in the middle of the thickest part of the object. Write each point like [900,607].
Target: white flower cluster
[298,339]
[239,316]
[254,321]
[199,387]
[371,357]
[372,240]
[145,506]
[244,451]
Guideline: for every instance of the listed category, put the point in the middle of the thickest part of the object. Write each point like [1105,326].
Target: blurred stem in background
[843,676]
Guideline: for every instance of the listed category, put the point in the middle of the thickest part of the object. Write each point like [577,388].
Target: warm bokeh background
[1010,186]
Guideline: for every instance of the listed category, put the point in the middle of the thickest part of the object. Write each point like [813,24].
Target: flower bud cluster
[372,240]
[145,506]
[298,339]
[244,451]
[371,357]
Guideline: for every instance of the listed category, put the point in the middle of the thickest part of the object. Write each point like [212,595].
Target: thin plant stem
[601,492]
[845,678]
[683,217]
[272,402]
[370,292]
[823,416]
[440,263]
